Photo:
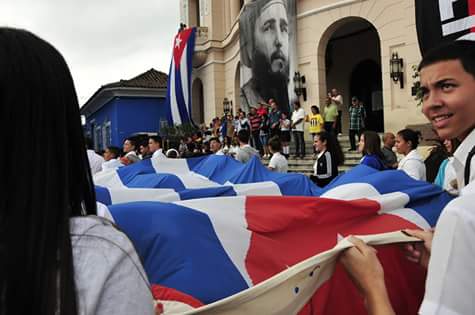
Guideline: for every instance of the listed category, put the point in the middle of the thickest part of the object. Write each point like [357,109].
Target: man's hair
[243,135]
[275,144]
[463,50]
[156,139]
[133,141]
[215,139]
[114,150]
[387,135]
[297,103]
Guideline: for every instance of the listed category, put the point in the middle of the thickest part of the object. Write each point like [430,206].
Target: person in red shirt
[262,110]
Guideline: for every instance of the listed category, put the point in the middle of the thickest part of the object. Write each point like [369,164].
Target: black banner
[438,21]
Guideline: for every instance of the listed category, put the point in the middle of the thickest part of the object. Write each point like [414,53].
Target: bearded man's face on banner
[271,37]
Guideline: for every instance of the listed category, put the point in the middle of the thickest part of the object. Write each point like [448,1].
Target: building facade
[121,109]
[342,44]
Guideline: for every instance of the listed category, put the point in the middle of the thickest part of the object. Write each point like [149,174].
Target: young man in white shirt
[448,85]
[298,118]
[278,162]
[155,146]
[215,146]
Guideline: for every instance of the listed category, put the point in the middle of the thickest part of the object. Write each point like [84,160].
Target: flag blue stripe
[179,249]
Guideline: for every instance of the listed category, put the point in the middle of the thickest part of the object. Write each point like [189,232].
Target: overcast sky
[103,41]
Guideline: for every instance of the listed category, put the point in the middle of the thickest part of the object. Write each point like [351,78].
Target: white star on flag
[178,41]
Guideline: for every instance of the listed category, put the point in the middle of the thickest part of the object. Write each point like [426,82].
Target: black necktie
[468,162]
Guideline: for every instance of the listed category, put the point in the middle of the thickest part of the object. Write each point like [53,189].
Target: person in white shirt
[448,88]
[95,160]
[278,162]
[155,146]
[215,146]
[336,98]
[111,155]
[298,118]
[407,141]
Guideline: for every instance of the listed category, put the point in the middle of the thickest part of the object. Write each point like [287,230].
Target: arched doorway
[197,102]
[366,84]
[351,63]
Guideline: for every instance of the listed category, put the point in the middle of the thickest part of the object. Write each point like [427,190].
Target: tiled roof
[149,79]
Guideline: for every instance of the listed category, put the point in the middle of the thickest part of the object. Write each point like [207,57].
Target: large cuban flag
[209,176]
[179,78]
[272,254]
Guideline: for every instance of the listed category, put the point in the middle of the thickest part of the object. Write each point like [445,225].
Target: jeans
[329,126]
[352,134]
[299,143]
[338,123]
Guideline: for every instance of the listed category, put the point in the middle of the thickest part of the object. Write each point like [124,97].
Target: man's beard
[271,84]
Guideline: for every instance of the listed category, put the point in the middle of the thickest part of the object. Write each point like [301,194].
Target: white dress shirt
[158,154]
[413,165]
[450,285]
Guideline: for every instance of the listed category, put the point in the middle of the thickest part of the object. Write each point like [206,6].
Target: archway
[350,61]
[197,102]
[366,84]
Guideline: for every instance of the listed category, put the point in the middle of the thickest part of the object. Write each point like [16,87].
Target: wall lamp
[299,85]
[227,105]
[396,66]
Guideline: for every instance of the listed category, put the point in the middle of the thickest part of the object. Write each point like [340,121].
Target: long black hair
[45,177]
[372,144]
[333,146]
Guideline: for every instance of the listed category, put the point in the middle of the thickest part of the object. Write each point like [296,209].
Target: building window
[98,144]
[106,134]
[194,13]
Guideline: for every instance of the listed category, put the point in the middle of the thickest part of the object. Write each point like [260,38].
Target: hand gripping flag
[444,20]
[179,78]
[277,254]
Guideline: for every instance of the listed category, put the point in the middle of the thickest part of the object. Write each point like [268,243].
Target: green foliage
[416,86]
[177,131]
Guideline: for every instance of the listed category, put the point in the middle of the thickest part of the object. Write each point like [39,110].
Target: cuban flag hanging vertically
[179,78]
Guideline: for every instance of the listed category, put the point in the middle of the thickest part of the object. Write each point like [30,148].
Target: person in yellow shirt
[316,122]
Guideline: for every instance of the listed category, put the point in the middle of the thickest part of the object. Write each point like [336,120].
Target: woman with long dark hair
[54,259]
[329,157]
[370,147]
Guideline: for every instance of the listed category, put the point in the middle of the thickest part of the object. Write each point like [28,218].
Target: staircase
[305,166]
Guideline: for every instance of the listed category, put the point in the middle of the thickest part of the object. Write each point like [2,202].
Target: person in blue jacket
[370,147]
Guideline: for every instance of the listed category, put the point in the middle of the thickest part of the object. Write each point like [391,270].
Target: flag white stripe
[173,102]
[234,236]
[184,77]
[459,25]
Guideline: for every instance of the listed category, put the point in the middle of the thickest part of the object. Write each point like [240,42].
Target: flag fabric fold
[228,251]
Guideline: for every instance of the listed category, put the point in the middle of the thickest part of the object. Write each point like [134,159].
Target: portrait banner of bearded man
[268,52]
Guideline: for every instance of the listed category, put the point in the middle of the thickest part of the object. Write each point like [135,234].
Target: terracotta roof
[149,79]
